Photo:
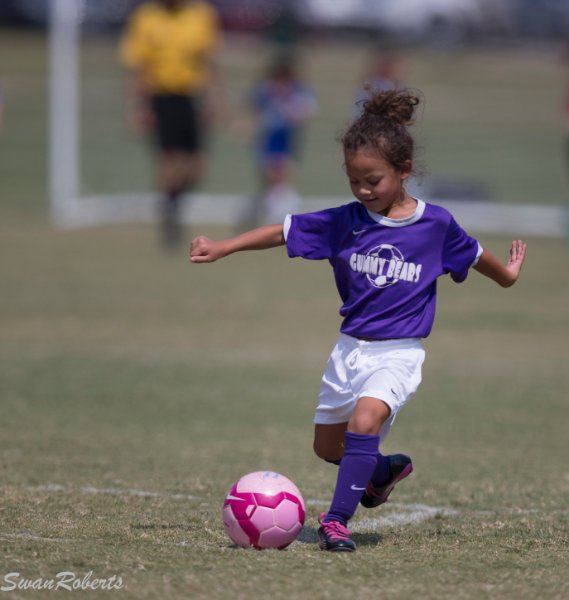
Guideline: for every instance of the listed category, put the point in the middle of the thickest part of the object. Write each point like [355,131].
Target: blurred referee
[169,48]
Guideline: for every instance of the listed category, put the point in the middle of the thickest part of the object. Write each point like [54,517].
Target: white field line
[395,513]
[407,514]
[24,535]
[399,514]
[89,489]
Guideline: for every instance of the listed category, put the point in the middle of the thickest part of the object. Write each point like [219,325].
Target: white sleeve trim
[286,226]
[478,255]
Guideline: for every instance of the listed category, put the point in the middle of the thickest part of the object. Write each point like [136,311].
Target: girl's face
[375,182]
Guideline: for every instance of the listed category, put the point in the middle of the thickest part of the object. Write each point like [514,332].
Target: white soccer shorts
[389,370]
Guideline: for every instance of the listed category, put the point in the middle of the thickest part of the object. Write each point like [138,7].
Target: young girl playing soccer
[386,251]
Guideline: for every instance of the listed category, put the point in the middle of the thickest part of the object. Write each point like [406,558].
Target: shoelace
[336,531]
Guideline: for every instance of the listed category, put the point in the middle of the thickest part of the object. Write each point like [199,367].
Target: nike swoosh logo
[356,488]
[230,497]
[358,232]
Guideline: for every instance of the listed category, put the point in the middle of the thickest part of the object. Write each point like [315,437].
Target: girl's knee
[363,425]
[369,416]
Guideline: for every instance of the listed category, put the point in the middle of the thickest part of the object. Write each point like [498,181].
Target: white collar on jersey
[400,222]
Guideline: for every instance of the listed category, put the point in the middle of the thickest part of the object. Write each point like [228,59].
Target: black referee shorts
[178,122]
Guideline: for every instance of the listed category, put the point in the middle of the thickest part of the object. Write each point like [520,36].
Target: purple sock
[382,472]
[356,468]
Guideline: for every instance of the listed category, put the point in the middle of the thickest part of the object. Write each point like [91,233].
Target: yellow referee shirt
[171,48]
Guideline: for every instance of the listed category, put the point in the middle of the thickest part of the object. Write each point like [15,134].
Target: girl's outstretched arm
[505,275]
[203,249]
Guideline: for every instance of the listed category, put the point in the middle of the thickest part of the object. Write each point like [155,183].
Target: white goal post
[65,27]
[69,208]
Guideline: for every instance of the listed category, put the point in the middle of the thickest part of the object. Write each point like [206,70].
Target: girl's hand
[516,260]
[503,274]
[203,250]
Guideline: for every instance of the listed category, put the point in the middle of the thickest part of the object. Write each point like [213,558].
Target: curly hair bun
[397,106]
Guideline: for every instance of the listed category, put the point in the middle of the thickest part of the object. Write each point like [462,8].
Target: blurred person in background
[565,125]
[169,48]
[282,105]
[565,106]
[1,107]
[383,74]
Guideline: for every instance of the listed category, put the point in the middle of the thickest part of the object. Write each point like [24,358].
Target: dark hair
[382,126]
[283,67]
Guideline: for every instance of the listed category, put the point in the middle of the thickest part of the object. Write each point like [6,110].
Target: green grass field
[126,370]
[135,388]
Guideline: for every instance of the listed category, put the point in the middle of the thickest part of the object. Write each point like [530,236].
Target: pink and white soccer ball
[263,510]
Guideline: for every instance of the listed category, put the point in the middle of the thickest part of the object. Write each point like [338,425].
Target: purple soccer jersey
[385,269]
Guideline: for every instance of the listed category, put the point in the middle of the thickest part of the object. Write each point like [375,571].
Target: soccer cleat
[401,466]
[334,536]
